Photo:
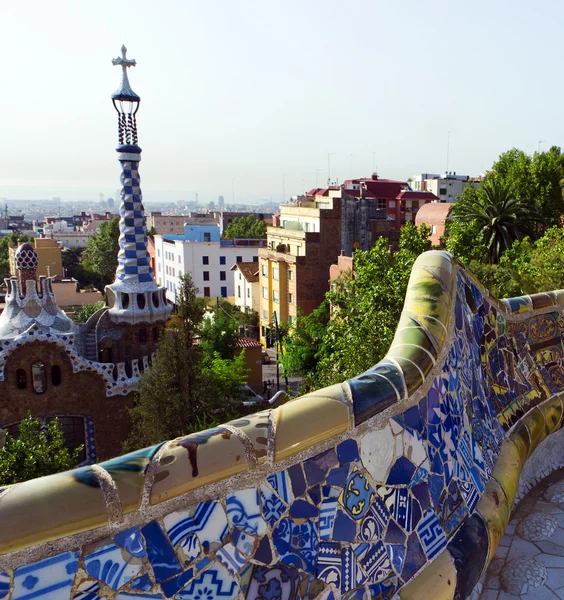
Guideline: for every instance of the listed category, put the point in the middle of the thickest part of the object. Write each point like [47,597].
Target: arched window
[21,379]
[128,367]
[124,300]
[38,377]
[143,336]
[56,375]
[141,301]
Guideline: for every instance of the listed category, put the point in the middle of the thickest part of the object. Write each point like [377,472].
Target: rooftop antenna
[541,142]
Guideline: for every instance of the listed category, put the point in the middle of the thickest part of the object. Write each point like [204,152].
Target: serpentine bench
[397,483]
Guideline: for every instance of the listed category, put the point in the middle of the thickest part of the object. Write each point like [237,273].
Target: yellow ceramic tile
[508,469]
[416,303]
[332,391]
[307,421]
[50,507]
[558,297]
[128,473]
[255,427]
[436,259]
[434,328]
[436,582]
[411,373]
[494,508]
[522,440]
[413,344]
[552,411]
[197,460]
[536,425]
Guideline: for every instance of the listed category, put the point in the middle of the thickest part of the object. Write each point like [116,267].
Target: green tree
[497,214]
[185,387]
[245,227]
[101,253]
[531,267]
[71,258]
[35,452]
[220,334]
[365,307]
[304,346]
[536,180]
[151,231]
[82,314]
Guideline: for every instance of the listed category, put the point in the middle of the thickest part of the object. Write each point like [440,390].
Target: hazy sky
[253,90]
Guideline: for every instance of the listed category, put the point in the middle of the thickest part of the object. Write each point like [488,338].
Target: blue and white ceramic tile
[231,558]
[132,541]
[272,506]
[329,563]
[112,565]
[215,583]
[189,549]
[208,521]
[130,596]
[161,554]
[281,485]
[88,590]
[49,579]
[243,510]
[4,584]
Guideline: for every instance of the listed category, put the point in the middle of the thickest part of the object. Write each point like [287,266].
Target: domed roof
[26,257]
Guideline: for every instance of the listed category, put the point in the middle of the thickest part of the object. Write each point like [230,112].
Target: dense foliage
[508,232]
[101,255]
[35,452]
[82,314]
[190,385]
[497,214]
[245,227]
[365,306]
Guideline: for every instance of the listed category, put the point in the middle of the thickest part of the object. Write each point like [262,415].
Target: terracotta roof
[249,270]
[246,342]
[410,195]
[433,211]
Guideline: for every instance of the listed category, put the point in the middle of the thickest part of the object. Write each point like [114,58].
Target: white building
[73,239]
[246,286]
[208,262]
[447,187]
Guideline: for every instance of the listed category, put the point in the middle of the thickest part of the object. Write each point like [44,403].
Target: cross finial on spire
[124,92]
[123,61]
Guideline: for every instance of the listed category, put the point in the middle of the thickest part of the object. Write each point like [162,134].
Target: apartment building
[202,253]
[174,224]
[398,202]
[447,187]
[294,266]
[246,285]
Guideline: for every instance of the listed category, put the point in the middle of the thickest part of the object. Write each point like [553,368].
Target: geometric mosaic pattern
[134,266]
[369,511]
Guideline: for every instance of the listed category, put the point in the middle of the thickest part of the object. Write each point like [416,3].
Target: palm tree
[501,216]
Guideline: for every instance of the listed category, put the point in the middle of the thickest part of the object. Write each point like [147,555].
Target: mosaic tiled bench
[398,483]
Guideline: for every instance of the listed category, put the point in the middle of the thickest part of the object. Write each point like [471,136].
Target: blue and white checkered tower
[134,296]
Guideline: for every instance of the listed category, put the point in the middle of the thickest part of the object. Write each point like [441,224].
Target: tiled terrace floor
[529,562]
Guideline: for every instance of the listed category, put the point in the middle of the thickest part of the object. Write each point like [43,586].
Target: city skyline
[249,101]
